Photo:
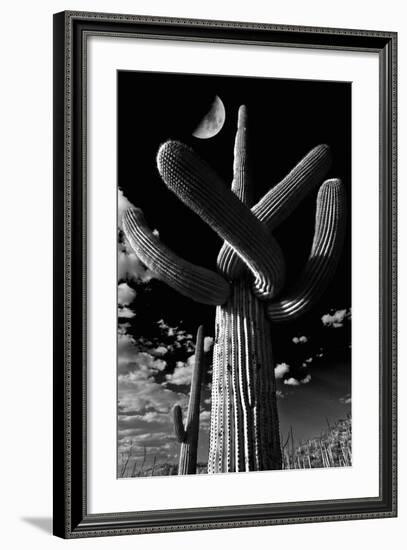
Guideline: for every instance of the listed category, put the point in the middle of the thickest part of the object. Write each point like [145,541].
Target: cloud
[125,294]
[294,382]
[179,339]
[160,351]
[182,374]
[281,370]
[308,361]
[208,343]
[138,389]
[129,267]
[139,363]
[291,382]
[280,394]
[182,335]
[336,319]
[122,328]
[154,438]
[137,394]
[175,331]
[125,313]
[153,430]
[205,420]
[346,399]
[300,339]
[140,423]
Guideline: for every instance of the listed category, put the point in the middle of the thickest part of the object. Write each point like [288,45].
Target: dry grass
[333,448]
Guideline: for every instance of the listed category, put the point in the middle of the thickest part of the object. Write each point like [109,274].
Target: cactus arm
[280,202]
[283,198]
[197,283]
[188,437]
[241,184]
[201,189]
[196,381]
[241,187]
[179,429]
[324,256]
[190,454]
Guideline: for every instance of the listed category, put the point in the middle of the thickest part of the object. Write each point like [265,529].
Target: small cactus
[188,435]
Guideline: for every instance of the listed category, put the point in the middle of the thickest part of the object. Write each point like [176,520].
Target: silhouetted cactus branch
[241,184]
[179,429]
[201,189]
[188,435]
[195,282]
[280,201]
[325,253]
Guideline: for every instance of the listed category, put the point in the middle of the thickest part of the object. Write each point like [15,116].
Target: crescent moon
[212,122]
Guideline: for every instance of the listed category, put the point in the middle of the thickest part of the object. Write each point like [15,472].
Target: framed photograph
[225,274]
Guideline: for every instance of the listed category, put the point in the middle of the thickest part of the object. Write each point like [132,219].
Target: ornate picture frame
[73,516]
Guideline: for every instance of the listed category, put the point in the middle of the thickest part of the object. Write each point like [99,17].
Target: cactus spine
[244,419]
[188,435]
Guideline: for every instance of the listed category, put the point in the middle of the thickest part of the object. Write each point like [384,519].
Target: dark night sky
[287,118]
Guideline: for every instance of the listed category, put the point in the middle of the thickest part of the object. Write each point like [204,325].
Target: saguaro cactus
[244,420]
[188,435]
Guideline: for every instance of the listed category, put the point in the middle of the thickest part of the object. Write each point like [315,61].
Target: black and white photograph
[234,297]
[201,316]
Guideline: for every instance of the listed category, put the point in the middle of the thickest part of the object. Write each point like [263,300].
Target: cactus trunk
[244,429]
